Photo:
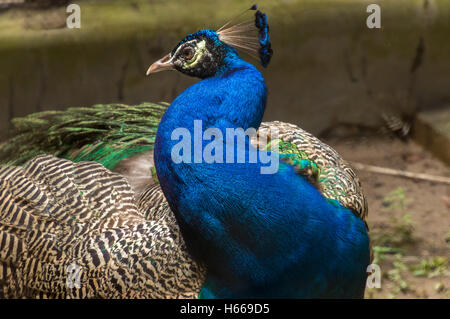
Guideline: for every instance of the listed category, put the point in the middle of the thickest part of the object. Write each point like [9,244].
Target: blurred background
[380,97]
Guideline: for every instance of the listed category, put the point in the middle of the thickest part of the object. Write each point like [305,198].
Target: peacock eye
[188,53]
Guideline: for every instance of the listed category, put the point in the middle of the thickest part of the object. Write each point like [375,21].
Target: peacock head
[205,53]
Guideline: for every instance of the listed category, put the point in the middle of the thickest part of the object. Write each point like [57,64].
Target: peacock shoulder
[337,180]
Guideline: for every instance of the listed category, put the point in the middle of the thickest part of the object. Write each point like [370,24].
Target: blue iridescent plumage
[265,51]
[260,235]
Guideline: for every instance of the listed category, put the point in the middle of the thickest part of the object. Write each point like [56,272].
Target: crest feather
[250,36]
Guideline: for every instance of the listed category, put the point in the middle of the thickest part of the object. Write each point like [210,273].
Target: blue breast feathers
[260,235]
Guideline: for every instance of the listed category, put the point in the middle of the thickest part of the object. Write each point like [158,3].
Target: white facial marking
[200,49]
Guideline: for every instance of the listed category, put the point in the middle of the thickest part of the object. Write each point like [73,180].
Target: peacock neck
[234,98]
[236,95]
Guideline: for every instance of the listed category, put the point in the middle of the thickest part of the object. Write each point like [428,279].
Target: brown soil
[411,215]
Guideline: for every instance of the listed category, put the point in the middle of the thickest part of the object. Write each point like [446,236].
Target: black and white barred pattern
[56,215]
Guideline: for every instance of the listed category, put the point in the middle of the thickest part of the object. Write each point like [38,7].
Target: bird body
[261,235]
[298,232]
[339,183]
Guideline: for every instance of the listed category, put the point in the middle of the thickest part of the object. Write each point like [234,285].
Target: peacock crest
[250,36]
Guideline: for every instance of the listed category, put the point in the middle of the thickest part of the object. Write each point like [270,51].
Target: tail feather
[105,133]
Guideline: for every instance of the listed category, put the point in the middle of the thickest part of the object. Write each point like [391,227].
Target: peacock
[93,203]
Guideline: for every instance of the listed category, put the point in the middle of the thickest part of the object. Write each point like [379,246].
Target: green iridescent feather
[290,154]
[105,133]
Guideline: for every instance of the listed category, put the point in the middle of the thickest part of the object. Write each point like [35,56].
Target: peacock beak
[161,65]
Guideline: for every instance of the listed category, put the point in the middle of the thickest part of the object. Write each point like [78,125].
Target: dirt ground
[409,220]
